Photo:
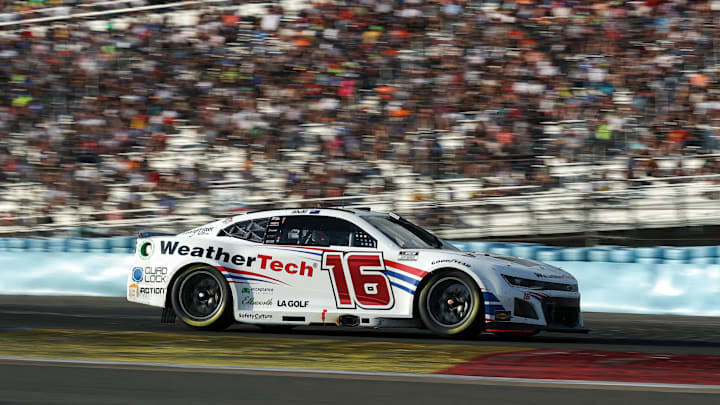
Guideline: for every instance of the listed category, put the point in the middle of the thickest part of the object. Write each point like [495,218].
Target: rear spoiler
[150,234]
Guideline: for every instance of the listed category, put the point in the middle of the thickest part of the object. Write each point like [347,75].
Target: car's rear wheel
[451,305]
[201,298]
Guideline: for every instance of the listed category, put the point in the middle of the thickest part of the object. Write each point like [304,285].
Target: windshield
[405,234]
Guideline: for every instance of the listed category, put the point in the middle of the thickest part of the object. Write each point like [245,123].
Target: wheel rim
[450,302]
[201,295]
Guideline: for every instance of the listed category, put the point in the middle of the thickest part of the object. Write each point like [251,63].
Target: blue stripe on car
[490,296]
[242,278]
[490,309]
[402,287]
[402,277]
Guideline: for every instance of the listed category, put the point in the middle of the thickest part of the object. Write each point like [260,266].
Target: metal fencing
[483,212]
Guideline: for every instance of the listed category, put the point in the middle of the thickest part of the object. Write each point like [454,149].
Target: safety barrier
[701,255]
[612,279]
[117,244]
[64,273]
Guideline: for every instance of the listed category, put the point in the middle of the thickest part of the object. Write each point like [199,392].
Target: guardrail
[484,212]
[466,207]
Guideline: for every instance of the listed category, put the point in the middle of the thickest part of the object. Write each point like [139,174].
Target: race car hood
[502,264]
[526,268]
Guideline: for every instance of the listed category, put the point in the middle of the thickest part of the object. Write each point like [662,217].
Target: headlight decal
[539,285]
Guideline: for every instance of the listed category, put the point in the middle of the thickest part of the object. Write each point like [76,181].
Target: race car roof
[335,212]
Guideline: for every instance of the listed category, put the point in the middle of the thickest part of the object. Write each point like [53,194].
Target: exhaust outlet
[349,320]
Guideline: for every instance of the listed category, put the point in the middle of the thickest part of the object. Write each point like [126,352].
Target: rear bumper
[529,328]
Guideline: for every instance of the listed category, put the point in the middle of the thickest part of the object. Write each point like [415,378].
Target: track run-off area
[95,341]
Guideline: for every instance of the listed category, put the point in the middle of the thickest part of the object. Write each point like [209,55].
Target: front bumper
[524,310]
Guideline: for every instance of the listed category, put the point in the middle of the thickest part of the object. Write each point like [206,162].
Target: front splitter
[529,328]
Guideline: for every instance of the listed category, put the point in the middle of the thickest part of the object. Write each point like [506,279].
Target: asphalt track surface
[40,381]
[672,334]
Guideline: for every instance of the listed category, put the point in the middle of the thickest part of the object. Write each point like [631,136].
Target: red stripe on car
[249,273]
[412,270]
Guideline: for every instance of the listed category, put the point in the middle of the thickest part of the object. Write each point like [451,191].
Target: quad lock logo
[150,274]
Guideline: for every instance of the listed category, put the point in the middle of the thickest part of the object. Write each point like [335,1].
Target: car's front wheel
[451,305]
[201,298]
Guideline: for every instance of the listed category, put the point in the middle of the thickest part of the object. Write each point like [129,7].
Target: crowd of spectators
[20,10]
[391,80]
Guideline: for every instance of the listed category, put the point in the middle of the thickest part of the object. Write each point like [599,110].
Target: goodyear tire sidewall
[477,314]
[218,312]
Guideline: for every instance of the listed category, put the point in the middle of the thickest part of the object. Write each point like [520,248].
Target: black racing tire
[202,299]
[451,305]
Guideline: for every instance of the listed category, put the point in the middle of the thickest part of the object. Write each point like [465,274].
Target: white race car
[357,268]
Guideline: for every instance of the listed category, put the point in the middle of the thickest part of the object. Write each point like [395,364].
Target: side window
[314,230]
[252,230]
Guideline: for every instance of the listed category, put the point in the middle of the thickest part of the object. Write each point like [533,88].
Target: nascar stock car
[358,268]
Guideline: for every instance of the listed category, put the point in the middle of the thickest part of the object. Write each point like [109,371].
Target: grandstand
[478,119]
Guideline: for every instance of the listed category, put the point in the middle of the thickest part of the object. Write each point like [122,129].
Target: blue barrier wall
[612,279]
[118,244]
[657,288]
[64,273]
